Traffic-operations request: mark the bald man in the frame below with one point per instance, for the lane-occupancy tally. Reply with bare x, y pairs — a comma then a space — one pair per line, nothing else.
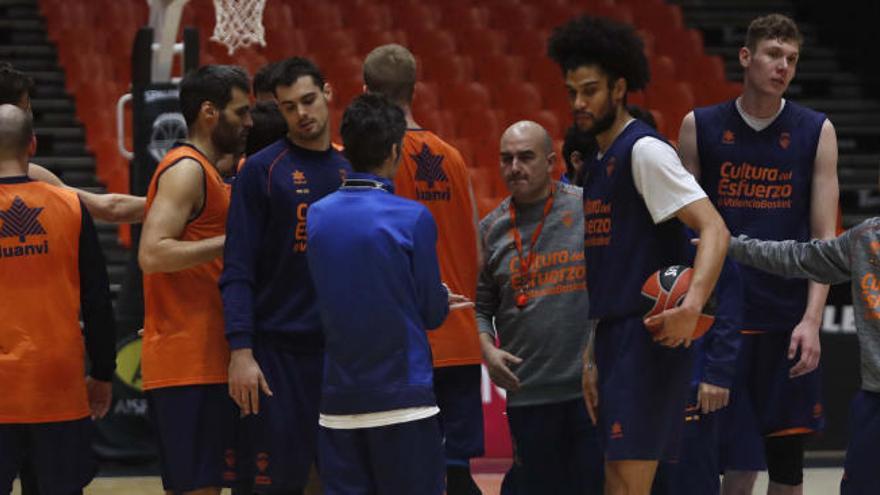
532, 298
48, 402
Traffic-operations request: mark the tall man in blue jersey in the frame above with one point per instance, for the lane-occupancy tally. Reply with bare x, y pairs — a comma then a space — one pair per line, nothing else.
637, 196
272, 322
770, 167
374, 262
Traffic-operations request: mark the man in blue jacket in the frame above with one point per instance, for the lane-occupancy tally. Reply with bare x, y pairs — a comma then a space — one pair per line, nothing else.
374, 264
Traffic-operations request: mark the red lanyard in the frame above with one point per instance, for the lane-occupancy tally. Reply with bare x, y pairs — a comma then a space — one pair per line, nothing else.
525, 264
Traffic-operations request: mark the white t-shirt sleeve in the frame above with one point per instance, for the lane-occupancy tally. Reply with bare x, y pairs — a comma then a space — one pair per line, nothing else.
661, 179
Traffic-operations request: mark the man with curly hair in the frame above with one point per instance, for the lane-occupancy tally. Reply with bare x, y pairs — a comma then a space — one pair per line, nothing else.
637, 199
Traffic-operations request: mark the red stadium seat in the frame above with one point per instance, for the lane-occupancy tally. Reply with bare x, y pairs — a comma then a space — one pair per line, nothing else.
513, 16
367, 40
553, 13
446, 69
414, 14
550, 122
674, 100
465, 95
518, 99
464, 16
498, 69
480, 42
318, 15
330, 44
430, 42
441, 122
478, 124
529, 44
425, 97
367, 15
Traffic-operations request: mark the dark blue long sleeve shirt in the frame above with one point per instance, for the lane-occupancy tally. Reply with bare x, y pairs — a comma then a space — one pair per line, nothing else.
373, 259
715, 354
266, 285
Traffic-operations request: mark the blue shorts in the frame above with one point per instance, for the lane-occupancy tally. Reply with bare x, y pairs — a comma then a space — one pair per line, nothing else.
60, 454
400, 459
195, 428
697, 470
556, 449
643, 389
457, 389
860, 473
766, 402
279, 445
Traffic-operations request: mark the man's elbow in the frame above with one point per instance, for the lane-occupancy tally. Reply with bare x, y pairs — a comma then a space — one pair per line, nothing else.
148, 261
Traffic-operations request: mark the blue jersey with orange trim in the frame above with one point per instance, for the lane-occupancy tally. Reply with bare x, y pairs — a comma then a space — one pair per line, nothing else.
266, 285
622, 245
761, 183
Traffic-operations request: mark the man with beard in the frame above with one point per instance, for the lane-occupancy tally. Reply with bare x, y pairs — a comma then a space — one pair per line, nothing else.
770, 166
637, 196
272, 322
185, 356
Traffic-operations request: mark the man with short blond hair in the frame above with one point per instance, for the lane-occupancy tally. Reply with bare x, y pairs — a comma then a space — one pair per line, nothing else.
434, 173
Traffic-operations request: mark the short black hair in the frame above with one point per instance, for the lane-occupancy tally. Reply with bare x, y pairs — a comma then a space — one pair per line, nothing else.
371, 125
14, 84
642, 114
264, 79
611, 45
288, 71
269, 126
582, 142
211, 83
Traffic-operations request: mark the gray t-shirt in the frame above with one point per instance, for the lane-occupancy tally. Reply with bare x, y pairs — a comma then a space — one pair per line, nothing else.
854, 256
551, 331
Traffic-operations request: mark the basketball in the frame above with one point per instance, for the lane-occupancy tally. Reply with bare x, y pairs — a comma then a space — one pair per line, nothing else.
666, 288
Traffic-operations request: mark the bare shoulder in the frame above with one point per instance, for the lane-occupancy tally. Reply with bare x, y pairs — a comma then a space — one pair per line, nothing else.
42, 174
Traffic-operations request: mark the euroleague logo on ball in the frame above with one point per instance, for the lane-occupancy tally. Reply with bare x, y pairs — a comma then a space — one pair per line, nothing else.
666, 289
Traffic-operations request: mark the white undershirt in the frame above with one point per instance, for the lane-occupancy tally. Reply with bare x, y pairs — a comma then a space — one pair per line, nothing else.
376, 419
754, 122
661, 179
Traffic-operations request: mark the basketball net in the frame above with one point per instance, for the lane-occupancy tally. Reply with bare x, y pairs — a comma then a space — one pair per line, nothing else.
239, 23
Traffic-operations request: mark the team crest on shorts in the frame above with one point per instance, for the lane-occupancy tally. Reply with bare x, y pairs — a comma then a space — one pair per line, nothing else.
616, 430
262, 465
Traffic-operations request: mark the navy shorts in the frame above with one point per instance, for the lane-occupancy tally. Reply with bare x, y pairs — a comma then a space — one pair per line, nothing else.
643, 389
766, 402
279, 445
457, 389
399, 459
860, 473
697, 470
59, 453
556, 450
195, 428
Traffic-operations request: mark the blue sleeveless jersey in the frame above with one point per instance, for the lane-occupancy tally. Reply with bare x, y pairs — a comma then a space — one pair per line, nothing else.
622, 245
761, 184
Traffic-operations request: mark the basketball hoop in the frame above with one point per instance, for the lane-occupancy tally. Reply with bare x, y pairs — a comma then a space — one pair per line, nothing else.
239, 23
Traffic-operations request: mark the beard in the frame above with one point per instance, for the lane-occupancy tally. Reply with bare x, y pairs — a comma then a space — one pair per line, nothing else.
601, 123
226, 139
